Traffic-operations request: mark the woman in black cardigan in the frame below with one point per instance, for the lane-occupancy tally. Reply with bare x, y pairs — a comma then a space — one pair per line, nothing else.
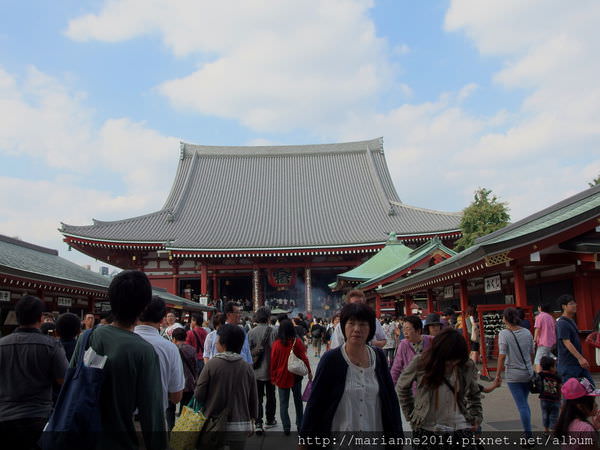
353, 389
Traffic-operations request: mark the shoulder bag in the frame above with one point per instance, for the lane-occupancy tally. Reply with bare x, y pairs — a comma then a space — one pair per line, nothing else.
535, 382
76, 422
295, 365
258, 352
213, 432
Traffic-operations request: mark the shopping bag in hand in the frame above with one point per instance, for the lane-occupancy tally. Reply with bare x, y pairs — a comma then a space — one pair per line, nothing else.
188, 425
307, 391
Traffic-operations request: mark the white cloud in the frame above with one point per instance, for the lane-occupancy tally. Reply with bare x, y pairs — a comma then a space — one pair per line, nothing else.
551, 143
47, 122
275, 65
401, 49
319, 66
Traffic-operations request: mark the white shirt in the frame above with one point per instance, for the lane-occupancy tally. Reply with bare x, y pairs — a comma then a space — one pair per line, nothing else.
337, 338
360, 406
171, 366
168, 333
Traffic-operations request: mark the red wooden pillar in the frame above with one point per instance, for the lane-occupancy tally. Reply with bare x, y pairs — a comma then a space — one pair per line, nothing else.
429, 301
585, 288
377, 305
174, 278
407, 304
203, 279
520, 290
464, 304
215, 286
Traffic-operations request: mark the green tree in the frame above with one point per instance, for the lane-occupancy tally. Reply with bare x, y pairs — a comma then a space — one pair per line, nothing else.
483, 216
595, 181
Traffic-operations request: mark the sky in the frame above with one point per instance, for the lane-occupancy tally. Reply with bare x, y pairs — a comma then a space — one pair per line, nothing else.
96, 95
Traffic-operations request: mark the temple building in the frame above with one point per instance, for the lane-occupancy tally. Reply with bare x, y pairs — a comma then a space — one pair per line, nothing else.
271, 224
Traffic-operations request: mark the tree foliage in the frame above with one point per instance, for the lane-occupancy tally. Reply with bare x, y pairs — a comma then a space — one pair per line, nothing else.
595, 181
483, 216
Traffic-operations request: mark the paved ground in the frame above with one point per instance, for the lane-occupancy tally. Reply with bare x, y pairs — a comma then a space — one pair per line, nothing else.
499, 410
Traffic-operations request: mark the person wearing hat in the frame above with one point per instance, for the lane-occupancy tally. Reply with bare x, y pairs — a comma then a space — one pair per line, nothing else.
432, 325
580, 417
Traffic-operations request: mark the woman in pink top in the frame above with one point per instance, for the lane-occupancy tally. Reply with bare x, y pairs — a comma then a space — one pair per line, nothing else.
579, 419
544, 335
412, 344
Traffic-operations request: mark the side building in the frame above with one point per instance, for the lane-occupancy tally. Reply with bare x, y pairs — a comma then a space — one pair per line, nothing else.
265, 224
28, 269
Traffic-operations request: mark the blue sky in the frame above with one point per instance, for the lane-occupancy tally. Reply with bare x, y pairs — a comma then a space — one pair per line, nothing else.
96, 94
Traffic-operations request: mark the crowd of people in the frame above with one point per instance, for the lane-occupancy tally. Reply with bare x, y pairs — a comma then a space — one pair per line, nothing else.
371, 373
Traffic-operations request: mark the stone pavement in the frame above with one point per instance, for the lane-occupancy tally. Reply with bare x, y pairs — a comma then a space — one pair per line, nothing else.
499, 410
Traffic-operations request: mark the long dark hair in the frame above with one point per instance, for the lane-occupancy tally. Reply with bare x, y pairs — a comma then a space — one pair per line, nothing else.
447, 346
579, 408
286, 331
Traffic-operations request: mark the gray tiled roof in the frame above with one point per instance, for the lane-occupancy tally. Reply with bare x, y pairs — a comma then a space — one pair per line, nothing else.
276, 197
23, 259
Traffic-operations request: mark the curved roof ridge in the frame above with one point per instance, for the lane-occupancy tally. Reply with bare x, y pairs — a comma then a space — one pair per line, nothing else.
100, 223
373, 145
186, 183
296, 199
432, 211
382, 194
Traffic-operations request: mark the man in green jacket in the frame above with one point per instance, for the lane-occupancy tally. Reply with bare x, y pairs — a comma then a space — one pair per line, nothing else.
132, 372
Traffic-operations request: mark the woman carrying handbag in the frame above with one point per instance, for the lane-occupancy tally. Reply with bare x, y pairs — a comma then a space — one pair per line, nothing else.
227, 390
515, 345
285, 348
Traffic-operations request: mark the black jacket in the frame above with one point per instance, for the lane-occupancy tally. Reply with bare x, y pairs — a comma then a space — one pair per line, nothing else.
328, 388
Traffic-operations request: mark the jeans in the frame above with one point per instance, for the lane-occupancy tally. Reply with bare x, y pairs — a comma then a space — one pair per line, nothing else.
550, 410
520, 392
267, 386
317, 342
284, 401
566, 372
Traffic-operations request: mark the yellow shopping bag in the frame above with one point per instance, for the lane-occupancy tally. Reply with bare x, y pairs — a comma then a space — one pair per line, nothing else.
186, 431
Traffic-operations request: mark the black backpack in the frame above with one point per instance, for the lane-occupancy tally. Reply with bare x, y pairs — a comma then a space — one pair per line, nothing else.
317, 331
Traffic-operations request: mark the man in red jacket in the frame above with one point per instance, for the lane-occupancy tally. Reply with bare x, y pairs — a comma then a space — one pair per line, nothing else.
196, 337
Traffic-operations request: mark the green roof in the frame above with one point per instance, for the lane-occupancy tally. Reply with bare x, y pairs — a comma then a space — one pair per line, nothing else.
382, 261
414, 256
545, 223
